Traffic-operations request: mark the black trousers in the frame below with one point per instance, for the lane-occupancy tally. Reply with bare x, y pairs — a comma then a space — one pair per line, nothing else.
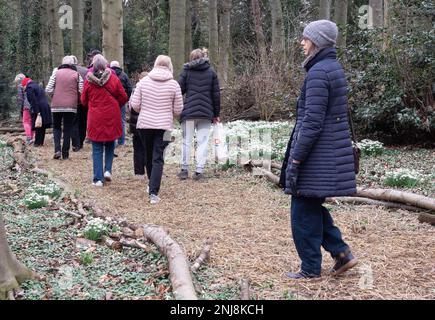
68, 120
39, 136
152, 141
79, 127
138, 153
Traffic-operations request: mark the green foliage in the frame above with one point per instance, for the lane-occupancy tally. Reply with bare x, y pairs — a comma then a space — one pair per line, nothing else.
86, 258
371, 148
391, 75
403, 178
95, 229
34, 200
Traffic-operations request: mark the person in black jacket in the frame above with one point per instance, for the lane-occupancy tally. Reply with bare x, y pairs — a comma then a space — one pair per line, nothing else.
200, 84
125, 81
319, 157
39, 106
138, 147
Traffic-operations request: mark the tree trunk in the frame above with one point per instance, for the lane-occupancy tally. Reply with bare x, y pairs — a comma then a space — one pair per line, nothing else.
261, 41
377, 13
96, 24
47, 64
188, 31
225, 50
340, 12
386, 24
325, 9
177, 34
113, 44
78, 7
12, 272
56, 33
213, 29
278, 37
179, 270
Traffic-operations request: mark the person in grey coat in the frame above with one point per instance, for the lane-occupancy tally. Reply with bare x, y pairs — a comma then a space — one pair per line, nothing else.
320, 160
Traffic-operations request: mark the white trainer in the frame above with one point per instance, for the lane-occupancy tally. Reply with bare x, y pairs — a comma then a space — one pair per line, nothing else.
107, 176
154, 199
98, 183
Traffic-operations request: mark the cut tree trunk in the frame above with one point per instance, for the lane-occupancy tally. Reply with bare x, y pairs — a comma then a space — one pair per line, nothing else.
180, 276
398, 196
12, 272
203, 256
360, 200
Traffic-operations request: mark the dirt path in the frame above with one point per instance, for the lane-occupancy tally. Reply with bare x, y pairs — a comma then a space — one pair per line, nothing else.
248, 223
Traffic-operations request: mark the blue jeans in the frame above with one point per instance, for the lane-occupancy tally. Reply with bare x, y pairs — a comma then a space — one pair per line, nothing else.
312, 228
121, 141
98, 149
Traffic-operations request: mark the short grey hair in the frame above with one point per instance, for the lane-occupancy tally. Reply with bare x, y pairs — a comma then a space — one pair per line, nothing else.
76, 61
99, 63
19, 77
68, 60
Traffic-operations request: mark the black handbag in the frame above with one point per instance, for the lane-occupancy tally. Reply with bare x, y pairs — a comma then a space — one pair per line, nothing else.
356, 150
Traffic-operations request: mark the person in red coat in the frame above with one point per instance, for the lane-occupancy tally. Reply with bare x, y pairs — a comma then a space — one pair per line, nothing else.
103, 95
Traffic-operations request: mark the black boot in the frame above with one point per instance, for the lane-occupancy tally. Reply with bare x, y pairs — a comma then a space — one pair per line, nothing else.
343, 262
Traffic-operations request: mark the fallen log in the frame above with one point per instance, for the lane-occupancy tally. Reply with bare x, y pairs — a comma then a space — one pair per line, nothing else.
180, 276
398, 196
388, 195
427, 218
112, 244
244, 289
203, 256
360, 200
10, 130
134, 244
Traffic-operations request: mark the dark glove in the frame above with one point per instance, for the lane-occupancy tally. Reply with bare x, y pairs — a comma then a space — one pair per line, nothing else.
292, 174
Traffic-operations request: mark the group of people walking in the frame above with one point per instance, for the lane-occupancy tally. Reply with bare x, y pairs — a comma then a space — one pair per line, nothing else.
319, 159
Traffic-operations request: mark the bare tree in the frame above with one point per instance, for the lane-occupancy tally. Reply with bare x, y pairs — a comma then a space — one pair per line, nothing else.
112, 17
261, 41
278, 37
96, 23
340, 12
213, 29
177, 34
78, 7
56, 36
188, 44
325, 9
225, 64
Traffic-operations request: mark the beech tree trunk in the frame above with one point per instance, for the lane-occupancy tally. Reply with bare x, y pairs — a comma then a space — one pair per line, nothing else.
325, 9
113, 44
261, 41
12, 272
225, 50
96, 23
56, 35
188, 31
340, 12
78, 7
213, 29
278, 41
377, 13
177, 34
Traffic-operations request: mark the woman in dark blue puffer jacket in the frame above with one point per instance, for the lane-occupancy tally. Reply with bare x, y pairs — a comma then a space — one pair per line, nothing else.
320, 162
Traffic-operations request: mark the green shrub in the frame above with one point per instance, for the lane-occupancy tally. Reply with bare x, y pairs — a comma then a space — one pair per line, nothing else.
95, 229
34, 200
86, 258
403, 178
370, 147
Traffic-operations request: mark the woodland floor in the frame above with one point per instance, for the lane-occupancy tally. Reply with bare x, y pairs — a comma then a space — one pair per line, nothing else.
247, 221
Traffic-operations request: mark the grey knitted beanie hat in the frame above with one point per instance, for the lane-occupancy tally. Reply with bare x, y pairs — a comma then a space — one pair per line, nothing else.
323, 33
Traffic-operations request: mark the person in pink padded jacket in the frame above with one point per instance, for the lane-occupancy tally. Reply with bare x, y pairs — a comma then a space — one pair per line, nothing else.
158, 100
